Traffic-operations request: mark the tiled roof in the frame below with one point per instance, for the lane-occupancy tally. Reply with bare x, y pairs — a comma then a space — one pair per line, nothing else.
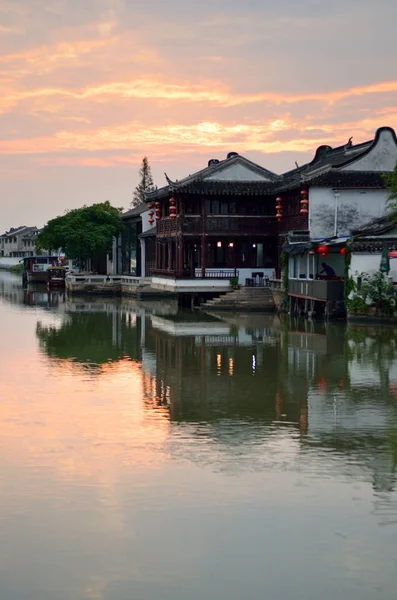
135, 212
375, 227
238, 188
324, 170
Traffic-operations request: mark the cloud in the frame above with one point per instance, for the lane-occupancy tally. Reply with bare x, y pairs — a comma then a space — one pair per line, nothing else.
94, 85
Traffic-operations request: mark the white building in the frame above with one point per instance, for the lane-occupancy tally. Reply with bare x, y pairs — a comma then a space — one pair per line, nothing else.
18, 242
341, 190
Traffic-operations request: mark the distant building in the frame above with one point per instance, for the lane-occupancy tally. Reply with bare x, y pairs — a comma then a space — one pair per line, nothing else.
134, 250
19, 242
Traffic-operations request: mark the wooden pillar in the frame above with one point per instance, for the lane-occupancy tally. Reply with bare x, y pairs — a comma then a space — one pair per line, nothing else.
169, 248
203, 254
203, 239
179, 257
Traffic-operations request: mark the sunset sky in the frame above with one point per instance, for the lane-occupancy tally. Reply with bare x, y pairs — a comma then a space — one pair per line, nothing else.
88, 87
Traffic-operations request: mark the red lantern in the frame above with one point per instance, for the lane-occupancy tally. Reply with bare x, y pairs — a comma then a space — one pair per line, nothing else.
158, 218
343, 251
157, 204
151, 221
151, 213
172, 201
150, 205
304, 203
279, 208
323, 250
173, 216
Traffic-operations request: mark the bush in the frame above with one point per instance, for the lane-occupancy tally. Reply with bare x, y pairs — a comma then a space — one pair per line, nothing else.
233, 282
376, 292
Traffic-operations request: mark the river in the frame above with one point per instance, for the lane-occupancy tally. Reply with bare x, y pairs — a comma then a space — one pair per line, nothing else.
152, 454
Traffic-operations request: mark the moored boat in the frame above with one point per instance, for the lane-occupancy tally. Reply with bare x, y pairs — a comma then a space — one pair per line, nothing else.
35, 268
56, 277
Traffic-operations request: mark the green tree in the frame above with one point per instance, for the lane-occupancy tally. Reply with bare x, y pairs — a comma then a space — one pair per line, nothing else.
391, 186
145, 185
82, 233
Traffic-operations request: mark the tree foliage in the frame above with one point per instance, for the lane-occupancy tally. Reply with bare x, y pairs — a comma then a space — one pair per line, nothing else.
83, 232
145, 184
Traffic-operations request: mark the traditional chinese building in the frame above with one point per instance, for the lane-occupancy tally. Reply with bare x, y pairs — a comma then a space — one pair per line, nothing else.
232, 218
340, 190
216, 224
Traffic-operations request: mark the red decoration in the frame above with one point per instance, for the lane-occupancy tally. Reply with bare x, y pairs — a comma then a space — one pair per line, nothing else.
172, 201
151, 213
158, 204
304, 202
150, 205
173, 216
343, 251
151, 221
158, 218
393, 254
323, 250
279, 209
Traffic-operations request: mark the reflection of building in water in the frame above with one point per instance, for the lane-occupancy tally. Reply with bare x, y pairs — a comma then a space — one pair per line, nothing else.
209, 370
349, 405
12, 291
99, 332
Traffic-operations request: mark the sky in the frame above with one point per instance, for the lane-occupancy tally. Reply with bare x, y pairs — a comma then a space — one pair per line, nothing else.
89, 87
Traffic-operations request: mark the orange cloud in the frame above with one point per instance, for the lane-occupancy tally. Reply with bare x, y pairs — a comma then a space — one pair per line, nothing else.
303, 136
215, 93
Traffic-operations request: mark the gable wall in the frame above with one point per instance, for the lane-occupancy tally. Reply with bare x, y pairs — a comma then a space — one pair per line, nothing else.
237, 172
382, 157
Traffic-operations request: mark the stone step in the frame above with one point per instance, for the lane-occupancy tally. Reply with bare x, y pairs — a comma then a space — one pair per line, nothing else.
243, 299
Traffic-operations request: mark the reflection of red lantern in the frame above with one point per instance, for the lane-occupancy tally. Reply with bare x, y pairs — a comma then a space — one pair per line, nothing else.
323, 250
343, 251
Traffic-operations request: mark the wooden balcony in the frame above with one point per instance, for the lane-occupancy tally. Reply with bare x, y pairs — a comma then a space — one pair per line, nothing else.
331, 290
233, 225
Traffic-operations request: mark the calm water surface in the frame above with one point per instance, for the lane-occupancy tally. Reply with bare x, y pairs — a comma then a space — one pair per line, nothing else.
148, 454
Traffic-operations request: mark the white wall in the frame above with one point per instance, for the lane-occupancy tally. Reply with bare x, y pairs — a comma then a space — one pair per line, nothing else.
8, 261
370, 263
355, 208
145, 221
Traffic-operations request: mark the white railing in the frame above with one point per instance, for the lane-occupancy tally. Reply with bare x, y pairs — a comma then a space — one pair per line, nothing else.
90, 278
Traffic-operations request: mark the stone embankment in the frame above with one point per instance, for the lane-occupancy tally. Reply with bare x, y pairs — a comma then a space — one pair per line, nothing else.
102, 285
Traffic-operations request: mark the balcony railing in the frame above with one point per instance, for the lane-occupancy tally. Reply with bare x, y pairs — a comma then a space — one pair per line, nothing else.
197, 225
196, 273
325, 290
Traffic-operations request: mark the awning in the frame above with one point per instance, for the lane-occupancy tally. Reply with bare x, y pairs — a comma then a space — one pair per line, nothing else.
149, 233
297, 248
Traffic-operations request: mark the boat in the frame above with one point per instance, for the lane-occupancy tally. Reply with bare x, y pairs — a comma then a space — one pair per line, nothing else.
35, 268
56, 278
